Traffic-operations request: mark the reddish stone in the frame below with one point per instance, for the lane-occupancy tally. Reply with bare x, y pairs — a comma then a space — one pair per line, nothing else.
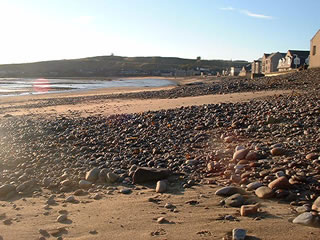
280, 183
264, 192
277, 151
316, 205
252, 156
243, 162
240, 154
247, 210
312, 156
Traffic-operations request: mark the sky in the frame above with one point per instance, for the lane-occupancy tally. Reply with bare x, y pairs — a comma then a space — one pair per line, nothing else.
40, 30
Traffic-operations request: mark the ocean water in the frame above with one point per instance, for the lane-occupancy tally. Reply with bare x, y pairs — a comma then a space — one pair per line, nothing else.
29, 86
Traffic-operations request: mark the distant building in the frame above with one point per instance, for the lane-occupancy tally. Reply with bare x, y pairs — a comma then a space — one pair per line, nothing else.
315, 51
183, 73
245, 71
263, 62
256, 66
234, 71
293, 59
272, 61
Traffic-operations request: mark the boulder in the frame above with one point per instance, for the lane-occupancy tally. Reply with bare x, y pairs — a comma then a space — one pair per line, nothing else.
146, 174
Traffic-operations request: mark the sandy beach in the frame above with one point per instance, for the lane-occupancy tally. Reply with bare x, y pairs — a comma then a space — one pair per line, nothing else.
50, 143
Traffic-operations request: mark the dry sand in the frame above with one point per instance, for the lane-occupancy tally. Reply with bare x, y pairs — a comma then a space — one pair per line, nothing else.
132, 216
119, 106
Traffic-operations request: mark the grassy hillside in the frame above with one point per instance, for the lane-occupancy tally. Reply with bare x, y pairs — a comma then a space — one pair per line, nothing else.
104, 66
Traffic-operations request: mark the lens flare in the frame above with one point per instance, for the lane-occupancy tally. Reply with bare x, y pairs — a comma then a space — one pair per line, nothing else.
41, 85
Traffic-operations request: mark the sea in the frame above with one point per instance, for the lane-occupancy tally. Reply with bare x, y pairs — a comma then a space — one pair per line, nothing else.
31, 86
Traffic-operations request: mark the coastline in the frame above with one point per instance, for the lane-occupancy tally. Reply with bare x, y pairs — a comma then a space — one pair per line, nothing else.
51, 143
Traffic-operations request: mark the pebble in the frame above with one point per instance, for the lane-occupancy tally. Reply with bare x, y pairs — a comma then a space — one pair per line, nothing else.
125, 191
85, 184
277, 151
247, 210
235, 200
112, 177
264, 192
92, 175
6, 188
70, 199
148, 174
161, 220
306, 219
62, 218
228, 191
240, 154
239, 234
97, 196
280, 183
254, 186
316, 205
161, 187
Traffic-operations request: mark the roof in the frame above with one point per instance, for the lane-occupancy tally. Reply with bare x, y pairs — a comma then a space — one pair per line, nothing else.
266, 55
247, 67
282, 54
315, 35
300, 53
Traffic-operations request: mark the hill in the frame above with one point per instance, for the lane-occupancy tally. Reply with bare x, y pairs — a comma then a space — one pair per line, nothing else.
104, 66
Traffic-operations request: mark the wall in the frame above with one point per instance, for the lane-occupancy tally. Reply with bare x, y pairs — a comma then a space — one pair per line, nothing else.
315, 59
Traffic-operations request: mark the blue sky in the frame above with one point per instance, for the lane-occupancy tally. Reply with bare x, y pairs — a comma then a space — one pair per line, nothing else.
37, 30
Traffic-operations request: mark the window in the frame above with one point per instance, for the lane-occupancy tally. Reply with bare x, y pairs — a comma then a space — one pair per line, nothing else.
314, 50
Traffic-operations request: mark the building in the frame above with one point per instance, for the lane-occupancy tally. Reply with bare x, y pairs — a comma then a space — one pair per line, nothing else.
293, 59
263, 62
234, 71
315, 51
245, 71
256, 66
271, 62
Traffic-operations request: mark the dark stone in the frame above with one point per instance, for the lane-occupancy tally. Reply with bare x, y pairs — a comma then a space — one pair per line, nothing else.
5, 189
146, 174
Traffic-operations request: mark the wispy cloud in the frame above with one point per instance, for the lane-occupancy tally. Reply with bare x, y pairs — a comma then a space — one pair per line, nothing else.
255, 15
227, 9
246, 12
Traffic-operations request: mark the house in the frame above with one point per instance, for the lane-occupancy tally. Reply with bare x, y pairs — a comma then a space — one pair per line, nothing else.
234, 71
245, 71
263, 62
293, 59
315, 51
256, 66
271, 62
